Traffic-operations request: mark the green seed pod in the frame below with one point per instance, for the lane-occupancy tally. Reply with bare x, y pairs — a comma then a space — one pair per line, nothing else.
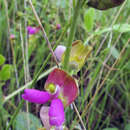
104, 4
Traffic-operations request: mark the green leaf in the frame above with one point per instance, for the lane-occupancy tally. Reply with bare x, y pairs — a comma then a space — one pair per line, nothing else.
25, 120
5, 72
89, 19
127, 127
2, 60
114, 52
122, 28
110, 129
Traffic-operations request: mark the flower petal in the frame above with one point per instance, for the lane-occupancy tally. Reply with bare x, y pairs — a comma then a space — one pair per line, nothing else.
32, 30
68, 86
12, 37
36, 96
56, 113
45, 117
59, 51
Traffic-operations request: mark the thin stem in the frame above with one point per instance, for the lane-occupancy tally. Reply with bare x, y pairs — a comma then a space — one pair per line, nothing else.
28, 78
15, 67
71, 35
76, 110
26, 45
43, 31
8, 31
23, 52
69, 46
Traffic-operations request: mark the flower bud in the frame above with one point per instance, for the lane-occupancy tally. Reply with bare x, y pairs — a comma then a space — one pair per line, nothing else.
12, 37
58, 27
32, 30
59, 51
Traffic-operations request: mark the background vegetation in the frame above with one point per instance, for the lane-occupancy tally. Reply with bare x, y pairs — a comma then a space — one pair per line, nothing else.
104, 81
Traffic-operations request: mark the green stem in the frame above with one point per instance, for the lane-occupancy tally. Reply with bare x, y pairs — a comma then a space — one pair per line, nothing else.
71, 35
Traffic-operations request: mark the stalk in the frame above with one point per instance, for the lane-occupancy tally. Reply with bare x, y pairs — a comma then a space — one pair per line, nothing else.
71, 35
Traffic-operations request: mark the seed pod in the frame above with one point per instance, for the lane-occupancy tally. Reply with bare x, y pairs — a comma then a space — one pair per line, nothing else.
104, 4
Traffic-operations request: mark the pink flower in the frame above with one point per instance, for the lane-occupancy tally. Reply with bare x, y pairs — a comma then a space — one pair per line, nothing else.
61, 90
59, 51
12, 36
56, 110
58, 26
32, 30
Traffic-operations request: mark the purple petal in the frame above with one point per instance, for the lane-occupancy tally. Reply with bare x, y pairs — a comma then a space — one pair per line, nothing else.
36, 96
58, 26
32, 30
56, 113
59, 51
